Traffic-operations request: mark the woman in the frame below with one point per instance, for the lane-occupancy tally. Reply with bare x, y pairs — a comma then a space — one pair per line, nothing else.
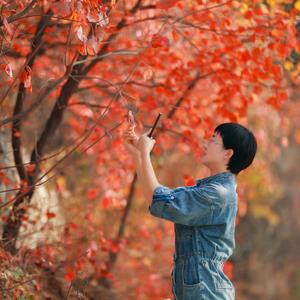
203, 214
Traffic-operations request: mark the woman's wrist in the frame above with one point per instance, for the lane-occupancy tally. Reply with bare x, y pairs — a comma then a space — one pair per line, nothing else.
137, 159
145, 153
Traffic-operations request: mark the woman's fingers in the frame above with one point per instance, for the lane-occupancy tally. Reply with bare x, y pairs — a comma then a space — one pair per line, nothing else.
132, 149
129, 139
131, 135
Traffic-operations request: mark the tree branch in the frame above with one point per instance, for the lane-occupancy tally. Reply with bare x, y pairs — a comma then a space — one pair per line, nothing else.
18, 109
22, 13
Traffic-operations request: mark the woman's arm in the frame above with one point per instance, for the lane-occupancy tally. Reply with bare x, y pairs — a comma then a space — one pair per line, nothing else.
146, 174
140, 148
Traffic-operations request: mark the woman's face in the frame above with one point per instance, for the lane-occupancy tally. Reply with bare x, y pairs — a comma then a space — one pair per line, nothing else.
213, 149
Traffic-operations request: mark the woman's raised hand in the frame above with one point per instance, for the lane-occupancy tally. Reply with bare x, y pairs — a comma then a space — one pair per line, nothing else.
131, 141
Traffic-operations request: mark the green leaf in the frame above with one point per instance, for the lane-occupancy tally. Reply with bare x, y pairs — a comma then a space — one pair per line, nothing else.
17, 273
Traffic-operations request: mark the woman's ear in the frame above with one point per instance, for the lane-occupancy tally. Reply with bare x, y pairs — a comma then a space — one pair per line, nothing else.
229, 153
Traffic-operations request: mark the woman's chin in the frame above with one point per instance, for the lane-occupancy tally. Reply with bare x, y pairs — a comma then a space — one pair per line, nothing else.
205, 160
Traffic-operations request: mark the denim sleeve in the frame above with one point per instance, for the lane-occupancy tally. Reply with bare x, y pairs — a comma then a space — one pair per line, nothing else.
188, 205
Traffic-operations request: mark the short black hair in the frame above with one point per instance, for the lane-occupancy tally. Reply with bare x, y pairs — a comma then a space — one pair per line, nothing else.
243, 143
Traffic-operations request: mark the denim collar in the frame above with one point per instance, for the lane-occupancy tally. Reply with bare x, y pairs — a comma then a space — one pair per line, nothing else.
226, 174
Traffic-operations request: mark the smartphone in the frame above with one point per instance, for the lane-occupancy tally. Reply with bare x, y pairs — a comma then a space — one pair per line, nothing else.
155, 124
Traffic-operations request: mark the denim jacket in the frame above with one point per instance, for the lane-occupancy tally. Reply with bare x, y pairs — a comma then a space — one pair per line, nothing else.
204, 225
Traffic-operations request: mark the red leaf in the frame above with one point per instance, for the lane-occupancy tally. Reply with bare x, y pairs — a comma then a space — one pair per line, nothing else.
166, 4
24, 218
256, 53
88, 216
5, 180
228, 269
188, 180
157, 246
149, 103
73, 225
248, 14
92, 194
30, 168
17, 133
62, 9
25, 77
70, 276
105, 202
50, 215
37, 285
144, 233
114, 247
82, 49
175, 35
159, 40
282, 50
274, 101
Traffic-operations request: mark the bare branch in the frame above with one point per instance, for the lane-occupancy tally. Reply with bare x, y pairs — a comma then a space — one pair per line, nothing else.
30, 109
100, 57
22, 13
